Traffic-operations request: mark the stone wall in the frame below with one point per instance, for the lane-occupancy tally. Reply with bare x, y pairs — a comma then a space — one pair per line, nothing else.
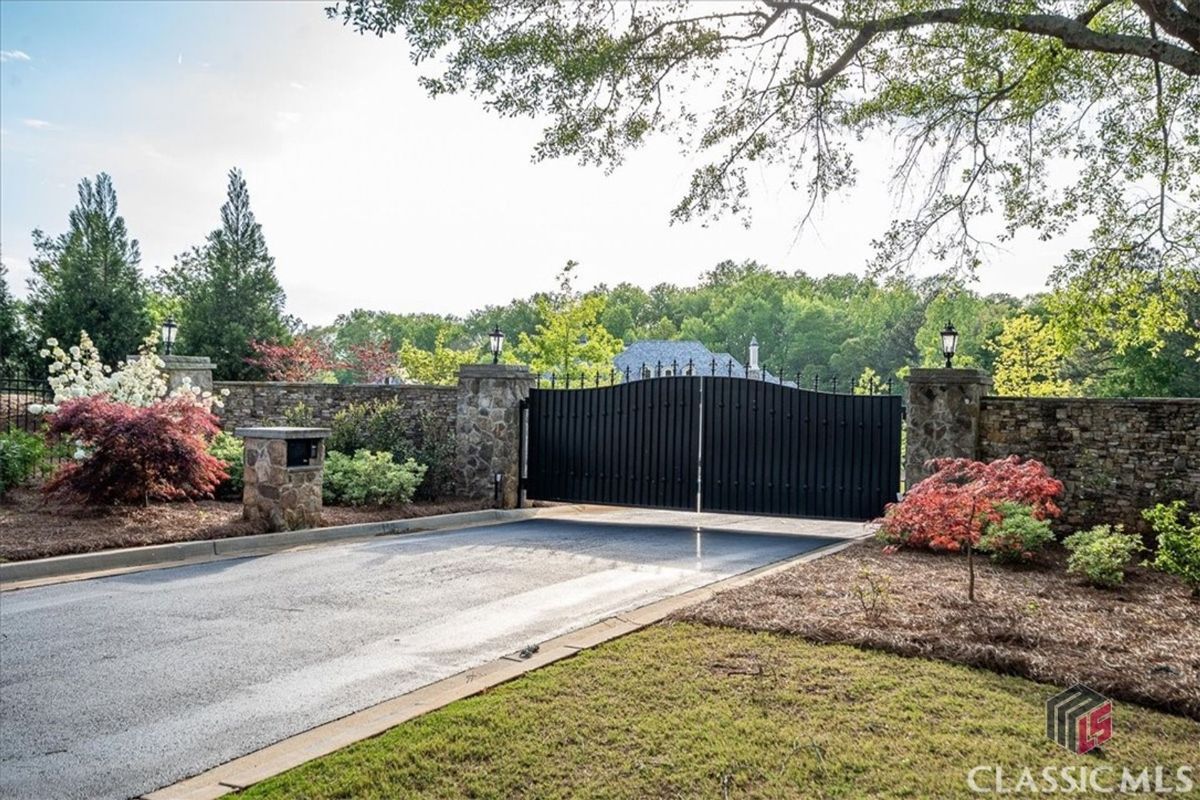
254, 403
1114, 456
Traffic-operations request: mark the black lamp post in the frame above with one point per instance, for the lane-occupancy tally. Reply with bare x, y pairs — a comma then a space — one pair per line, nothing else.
497, 342
949, 343
168, 334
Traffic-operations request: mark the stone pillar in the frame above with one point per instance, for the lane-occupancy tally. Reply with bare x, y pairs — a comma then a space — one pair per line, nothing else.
488, 428
943, 417
282, 477
199, 369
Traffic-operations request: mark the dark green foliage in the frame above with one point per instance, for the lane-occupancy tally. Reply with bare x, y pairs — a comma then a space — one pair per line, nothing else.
87, 279
15, 347
1178, 544
433, 445
227, 291
22, 455
231, 450
1017, 536
368, 478
386, 426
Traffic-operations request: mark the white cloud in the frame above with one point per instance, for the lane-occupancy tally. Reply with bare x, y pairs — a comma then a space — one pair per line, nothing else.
297, 85
39, 124
179, 59
14, 55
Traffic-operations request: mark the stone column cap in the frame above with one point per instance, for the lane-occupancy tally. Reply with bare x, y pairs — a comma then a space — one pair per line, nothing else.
496, 371
196, 362
181, 362
283, 432
943, 375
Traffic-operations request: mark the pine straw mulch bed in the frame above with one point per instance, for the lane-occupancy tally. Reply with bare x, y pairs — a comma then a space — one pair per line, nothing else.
31, 527
1139, 643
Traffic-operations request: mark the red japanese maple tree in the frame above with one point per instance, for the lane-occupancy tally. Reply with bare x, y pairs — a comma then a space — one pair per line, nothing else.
135, 454
371, 362
303, 359
949, 510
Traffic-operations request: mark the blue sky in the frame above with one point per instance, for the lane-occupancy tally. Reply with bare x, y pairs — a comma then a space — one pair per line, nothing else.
370, 194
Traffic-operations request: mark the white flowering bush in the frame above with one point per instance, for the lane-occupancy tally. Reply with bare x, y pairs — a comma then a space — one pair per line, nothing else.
78, 372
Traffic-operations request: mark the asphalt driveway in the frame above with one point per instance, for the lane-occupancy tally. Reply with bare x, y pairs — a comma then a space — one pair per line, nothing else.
118, 686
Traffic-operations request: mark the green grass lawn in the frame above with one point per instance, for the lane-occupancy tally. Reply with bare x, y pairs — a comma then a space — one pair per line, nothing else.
689, 710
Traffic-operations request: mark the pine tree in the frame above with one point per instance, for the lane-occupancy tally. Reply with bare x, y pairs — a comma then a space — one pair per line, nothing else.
87, 279
227, 290
13, 345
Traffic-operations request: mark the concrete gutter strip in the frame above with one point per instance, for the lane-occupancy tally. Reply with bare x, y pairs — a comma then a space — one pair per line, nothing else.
332, 736
81, 566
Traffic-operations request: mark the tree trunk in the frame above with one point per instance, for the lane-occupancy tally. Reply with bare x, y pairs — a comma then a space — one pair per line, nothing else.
970, 572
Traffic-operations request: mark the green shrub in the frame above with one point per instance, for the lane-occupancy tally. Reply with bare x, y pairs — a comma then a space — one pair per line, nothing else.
1018, 536
369, 478
386, 426
1178, 550
22, 455
378, 425
229, 449
299, 416
1102, 553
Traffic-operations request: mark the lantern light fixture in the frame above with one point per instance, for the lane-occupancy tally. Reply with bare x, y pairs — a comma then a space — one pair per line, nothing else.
497, 343
169, 330
949, 344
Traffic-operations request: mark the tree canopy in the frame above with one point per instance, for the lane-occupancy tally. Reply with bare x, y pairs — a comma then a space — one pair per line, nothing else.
87, 279
226, 290
568, 336
1034, 116
14, 346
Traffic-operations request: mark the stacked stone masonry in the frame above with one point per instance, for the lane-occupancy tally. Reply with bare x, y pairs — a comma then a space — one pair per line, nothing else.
1115, 457
276, 496
268, 403
488, 429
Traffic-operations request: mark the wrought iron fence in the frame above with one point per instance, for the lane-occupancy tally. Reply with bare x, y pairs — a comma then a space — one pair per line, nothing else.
18, 391
832, 384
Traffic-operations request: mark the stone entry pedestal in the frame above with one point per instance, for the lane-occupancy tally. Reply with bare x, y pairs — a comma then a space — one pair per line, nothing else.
283, 476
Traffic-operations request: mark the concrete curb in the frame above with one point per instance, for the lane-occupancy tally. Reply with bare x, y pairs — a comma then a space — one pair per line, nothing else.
324, 739
82, 566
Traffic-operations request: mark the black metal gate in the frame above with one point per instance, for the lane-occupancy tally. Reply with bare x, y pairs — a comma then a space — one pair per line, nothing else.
714, 444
